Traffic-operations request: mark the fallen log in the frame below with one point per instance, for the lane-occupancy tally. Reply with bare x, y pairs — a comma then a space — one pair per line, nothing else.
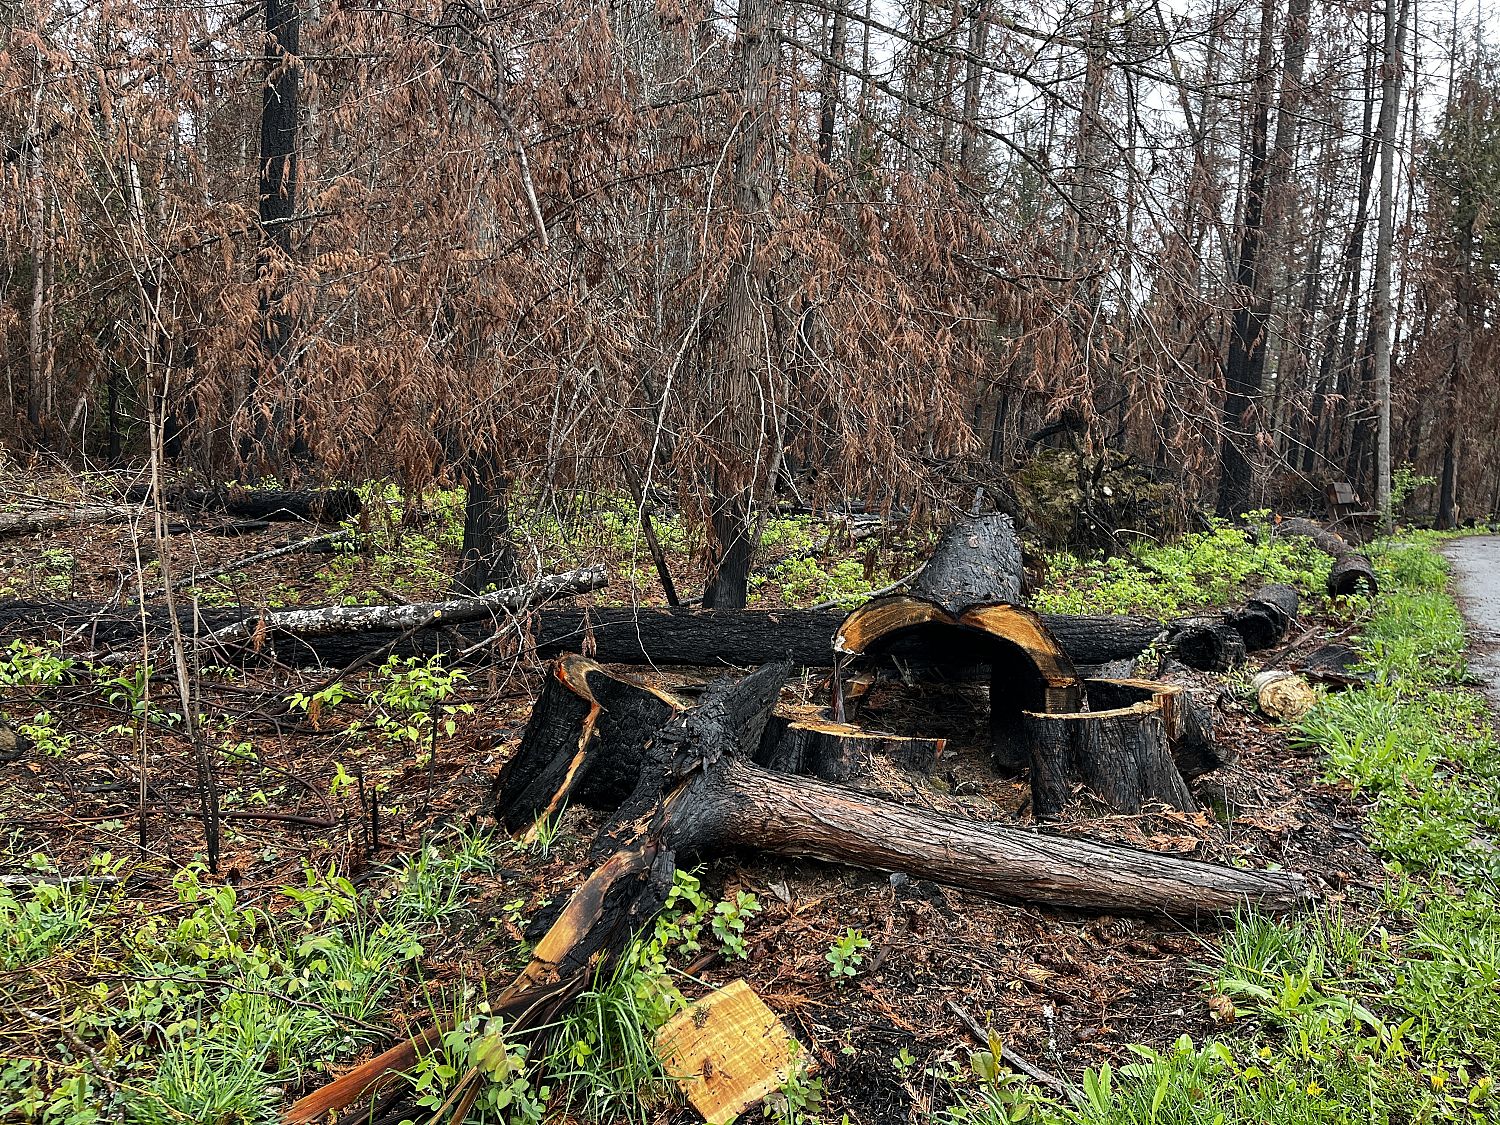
36, 521
360, 618
316, 505
1351, 568
1264, 620
744, 638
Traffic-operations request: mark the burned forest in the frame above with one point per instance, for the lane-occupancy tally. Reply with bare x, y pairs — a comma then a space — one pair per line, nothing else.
642, 563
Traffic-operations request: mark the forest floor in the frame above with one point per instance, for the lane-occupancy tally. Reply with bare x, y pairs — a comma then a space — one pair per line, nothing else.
359, 891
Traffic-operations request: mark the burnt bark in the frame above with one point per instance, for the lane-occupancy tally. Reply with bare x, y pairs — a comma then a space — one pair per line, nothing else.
977, 560
487, 557
1121, 756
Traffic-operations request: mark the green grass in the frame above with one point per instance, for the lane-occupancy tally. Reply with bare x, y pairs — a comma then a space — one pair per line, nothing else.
1384, 1014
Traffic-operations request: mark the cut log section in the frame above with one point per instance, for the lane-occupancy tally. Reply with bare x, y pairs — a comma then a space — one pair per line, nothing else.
1189, 724
1351, 570
1207, 644
1264, 620
1352, 574
833, 751
1123, 750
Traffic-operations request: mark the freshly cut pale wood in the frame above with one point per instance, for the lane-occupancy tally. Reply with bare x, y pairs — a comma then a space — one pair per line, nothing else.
359, 618
727, 1052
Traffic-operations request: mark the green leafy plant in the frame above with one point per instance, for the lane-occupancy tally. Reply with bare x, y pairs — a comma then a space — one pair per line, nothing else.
846, 955
729, 920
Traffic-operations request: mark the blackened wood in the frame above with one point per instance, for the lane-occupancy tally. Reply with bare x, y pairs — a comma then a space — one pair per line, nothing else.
1189, 723
1263, 621
487, 557
978, 559
326, 505
742, 806
1206, 644
1122, 756
839, 751
1352, 574
586, 735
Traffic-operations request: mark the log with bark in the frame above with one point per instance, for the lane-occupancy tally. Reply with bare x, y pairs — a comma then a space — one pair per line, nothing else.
359, 618
1134, 745
317, 505
1351, 569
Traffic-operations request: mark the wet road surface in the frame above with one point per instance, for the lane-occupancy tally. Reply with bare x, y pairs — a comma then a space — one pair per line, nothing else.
1476, 581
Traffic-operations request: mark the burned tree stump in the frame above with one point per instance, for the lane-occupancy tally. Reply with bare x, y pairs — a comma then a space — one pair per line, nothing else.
1121, 756
585, 719
834, 751
1189, 724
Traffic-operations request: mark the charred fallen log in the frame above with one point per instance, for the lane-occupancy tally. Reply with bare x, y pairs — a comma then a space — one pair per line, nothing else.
1351, 570
318, 505
1264, 620
743, 638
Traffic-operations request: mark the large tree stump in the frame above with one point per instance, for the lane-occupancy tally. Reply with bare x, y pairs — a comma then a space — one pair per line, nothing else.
1125, 750
1121, 756
822, 748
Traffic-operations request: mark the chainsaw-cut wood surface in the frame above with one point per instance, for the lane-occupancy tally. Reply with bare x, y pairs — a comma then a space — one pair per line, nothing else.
727, 1052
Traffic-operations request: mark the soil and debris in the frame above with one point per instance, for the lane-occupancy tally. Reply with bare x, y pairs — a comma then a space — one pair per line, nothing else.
1063, 991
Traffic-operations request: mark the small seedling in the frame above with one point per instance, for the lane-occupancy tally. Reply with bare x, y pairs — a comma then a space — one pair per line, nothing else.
846, 955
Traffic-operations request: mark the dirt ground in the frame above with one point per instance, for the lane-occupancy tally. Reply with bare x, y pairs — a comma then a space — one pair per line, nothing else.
1064, 991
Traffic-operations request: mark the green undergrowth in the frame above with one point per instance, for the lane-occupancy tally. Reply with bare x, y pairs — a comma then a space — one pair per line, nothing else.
409, 545
1167, 579
206, 1008
1385, 1012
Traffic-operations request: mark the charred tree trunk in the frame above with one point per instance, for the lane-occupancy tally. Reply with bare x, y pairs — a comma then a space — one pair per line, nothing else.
1351, 570
277, 190
977, 560
488, 556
